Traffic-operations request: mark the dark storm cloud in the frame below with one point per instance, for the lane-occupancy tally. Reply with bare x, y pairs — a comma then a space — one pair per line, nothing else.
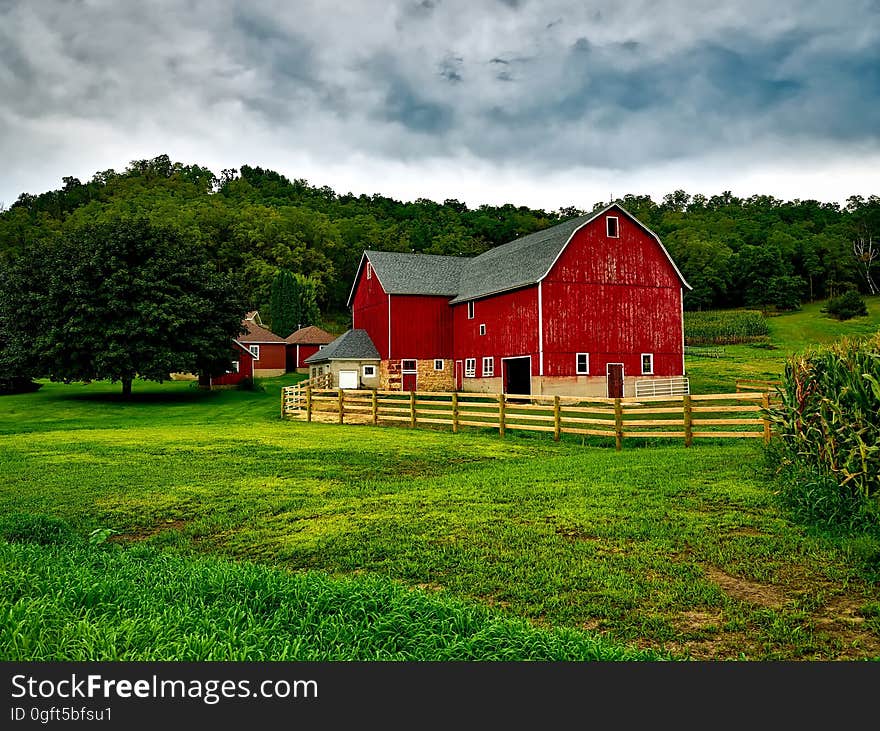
550, 85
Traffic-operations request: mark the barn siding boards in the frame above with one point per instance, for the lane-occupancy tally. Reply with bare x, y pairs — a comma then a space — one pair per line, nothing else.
370, 310
511, 320
421, 327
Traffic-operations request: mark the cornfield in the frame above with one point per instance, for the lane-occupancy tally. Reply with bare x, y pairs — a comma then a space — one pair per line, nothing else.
829, 419
724, 327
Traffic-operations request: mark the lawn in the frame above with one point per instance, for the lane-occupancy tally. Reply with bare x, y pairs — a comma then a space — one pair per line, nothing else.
788, 333
423, 544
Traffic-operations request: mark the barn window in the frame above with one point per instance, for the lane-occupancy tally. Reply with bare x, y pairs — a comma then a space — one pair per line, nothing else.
470, 310
488, 366
647, 364
234, 368
611, 227
255, 351
369, 371
409, 366
320, 347
582, 364
482, 329
369, 270
438, 364
470, 367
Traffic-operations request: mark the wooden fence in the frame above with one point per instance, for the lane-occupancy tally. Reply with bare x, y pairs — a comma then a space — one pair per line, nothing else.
756, 384
727, 415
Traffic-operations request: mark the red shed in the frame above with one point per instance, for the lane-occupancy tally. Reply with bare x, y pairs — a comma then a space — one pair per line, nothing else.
241, 366
588, 307
268, 349
303, 343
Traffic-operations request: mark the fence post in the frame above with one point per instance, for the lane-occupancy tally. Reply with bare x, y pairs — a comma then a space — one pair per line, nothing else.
688, 422
283, 393
341, 406
412, 409
308, 403
557, 419
501, 417
765, 403
618, 425
455, 413
375, 407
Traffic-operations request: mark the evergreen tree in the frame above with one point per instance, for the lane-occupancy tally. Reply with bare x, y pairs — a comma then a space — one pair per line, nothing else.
282, 305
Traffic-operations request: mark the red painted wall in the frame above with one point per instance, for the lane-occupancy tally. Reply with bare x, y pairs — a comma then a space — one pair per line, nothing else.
304, 352
421, 327
511, 320
272, 355
369, 310
244, 369
614, 299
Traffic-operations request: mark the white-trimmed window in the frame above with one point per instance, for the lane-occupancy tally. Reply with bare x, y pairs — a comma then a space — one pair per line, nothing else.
321, 347
438, 364
647, 364
255, 351
470, 367
234, 368
482, 328
488, 366
470, 307
612, 227
369, 270
582, 364
408, 366
369, 371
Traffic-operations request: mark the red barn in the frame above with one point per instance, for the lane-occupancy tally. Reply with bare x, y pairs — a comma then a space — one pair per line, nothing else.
241, 366
587, 307
303, 343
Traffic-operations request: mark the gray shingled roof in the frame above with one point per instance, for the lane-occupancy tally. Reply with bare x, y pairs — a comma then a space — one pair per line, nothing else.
417, 273
351, 345
521, 262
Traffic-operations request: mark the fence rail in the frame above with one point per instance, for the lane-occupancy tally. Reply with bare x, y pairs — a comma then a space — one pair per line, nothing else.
688, 417
755, 384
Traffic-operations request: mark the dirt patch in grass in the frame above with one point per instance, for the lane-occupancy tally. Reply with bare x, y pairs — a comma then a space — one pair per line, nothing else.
144, 533
744, 590
695, 621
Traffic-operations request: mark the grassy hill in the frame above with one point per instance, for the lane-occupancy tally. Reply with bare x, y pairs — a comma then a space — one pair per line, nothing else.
788, 333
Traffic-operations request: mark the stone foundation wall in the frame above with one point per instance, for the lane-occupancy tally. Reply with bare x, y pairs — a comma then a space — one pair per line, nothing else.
427, 379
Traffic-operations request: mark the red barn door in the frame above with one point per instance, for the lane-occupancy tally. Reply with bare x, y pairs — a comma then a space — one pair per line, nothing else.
615, 380
458, 375
410, 375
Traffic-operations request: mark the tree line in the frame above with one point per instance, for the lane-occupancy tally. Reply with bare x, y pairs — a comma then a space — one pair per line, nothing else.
252, 222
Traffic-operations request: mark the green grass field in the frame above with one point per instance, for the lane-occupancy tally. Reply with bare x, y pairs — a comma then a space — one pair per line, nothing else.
788, 333
240, 536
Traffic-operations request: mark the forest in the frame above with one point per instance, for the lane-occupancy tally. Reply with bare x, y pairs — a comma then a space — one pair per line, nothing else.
757, 252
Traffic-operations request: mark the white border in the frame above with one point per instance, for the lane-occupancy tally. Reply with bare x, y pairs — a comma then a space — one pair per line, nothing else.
576, 371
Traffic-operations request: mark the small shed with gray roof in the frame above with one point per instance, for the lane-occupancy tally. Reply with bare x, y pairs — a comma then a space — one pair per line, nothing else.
351, 359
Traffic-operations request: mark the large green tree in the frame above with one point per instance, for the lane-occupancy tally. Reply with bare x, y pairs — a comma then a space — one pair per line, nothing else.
116, 301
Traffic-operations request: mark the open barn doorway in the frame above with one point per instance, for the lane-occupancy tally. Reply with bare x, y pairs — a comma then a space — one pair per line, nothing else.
517, 375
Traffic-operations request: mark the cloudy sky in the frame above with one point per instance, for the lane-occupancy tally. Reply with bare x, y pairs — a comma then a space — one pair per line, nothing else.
535, 102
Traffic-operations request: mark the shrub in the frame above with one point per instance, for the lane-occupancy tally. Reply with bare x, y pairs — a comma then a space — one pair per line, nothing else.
850, 304
29, 528
829, 424
250, 384
18, 385
724, 327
